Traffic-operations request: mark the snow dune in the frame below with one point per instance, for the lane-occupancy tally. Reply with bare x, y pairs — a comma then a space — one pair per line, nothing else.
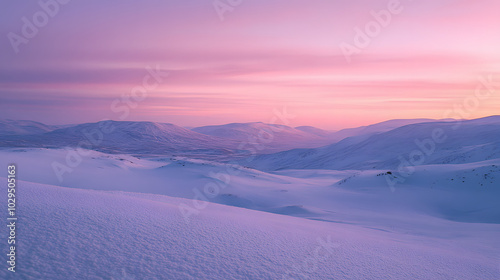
74, 234
119, 211
459, 192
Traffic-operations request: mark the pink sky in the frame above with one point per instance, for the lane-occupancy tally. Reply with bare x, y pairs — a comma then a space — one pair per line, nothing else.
265, 55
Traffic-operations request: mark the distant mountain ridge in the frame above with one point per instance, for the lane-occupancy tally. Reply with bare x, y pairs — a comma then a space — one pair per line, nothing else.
323, 149
23, 127
272, 137
125, 137
466, 141
277, 138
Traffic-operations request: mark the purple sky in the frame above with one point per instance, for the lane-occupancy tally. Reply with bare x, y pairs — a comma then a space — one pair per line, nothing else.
264, 56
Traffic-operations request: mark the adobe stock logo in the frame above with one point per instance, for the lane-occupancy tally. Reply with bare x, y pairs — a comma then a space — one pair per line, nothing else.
30, 28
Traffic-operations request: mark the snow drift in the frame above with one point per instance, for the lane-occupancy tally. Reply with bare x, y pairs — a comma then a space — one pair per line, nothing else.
74, 234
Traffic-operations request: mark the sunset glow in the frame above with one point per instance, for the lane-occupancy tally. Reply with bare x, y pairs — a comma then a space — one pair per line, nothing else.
262, 57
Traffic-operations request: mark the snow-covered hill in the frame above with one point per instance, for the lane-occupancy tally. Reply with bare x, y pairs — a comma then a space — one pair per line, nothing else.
275, 138
315, 131
428, 143
459, 192
266, 138
380, 127
144, 215
73, 234
21, 127
228, 141
128, 137
134, 210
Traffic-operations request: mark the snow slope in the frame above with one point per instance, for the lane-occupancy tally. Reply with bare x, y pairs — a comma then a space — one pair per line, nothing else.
21, 127
460, 192
228, 141
315, 131
74, 234
128, 137
120, 216
271, 137
276, 138
471, 141
380, 127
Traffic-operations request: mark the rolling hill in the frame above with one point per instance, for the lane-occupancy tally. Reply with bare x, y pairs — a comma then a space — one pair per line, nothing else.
464, 141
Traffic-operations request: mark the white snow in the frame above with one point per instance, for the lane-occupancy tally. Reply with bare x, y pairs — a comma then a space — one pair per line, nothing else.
20, 127
124, 215
464, 142
82, 234
271, 137
128, 137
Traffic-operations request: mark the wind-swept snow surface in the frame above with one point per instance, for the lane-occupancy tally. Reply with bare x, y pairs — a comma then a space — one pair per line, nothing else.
459, 192
83, 234
349, 210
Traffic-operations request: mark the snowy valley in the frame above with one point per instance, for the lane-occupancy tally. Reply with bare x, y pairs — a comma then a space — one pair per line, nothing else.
142, 200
